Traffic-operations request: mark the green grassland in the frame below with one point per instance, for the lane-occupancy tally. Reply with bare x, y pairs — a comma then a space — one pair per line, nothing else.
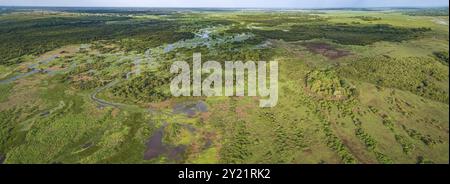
354, 87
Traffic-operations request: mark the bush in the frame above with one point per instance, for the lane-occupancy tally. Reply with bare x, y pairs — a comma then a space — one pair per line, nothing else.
326, 84
406, 145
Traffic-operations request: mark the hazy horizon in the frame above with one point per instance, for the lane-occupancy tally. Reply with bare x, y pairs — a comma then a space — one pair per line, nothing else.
229, 3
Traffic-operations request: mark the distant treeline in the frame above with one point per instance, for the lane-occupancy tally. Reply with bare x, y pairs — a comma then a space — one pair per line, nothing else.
340, 33
427, 12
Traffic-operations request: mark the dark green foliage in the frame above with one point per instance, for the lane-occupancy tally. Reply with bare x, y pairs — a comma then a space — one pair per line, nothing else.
388, 123
426, 139
14, 61
422, 160
150, 86
367, 18
342, 33
144, 42
279, 18
228, 52
366, 138
383, 158
442, 56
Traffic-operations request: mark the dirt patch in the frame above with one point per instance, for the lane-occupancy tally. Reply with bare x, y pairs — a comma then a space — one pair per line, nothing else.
82, 78
209, 139
326, 50
60, 52
204, 116
161, 105
115, 112
242, 110
54, 68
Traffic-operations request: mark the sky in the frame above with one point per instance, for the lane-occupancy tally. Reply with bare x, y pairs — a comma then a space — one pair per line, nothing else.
229, 3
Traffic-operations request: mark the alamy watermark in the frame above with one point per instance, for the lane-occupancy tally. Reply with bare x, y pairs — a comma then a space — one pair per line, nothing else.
228, 80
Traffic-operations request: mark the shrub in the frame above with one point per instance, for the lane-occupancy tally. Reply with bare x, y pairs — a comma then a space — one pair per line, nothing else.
326, 84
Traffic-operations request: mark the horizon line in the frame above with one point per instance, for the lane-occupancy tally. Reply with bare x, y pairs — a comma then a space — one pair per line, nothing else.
343, 7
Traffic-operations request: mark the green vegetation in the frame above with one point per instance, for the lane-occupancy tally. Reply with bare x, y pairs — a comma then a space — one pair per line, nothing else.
442, 56
326, 84
406, 145
422, 76
92, 86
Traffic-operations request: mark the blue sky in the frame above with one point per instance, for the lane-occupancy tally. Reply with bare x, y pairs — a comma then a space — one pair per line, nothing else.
229, 3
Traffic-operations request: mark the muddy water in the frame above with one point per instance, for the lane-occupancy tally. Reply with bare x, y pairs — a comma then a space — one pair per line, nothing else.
156, 147
190, 108
176, 153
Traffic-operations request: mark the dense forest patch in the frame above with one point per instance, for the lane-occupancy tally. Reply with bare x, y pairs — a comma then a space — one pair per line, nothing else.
341, 33
150, 86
